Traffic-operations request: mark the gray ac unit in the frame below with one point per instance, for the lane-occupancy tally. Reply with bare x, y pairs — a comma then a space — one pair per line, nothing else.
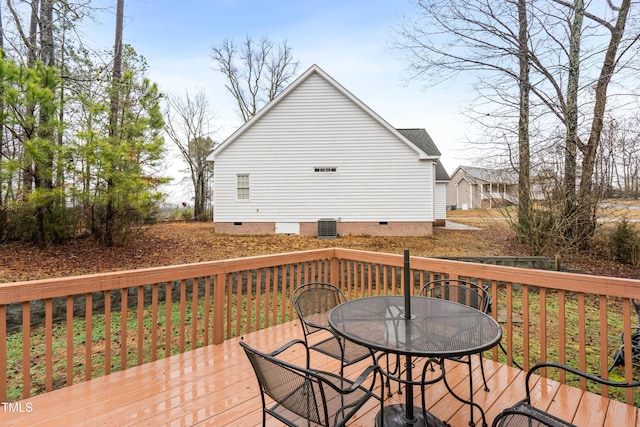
327, 229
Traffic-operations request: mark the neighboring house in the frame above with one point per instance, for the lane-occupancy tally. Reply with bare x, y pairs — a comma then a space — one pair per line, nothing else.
317, 159
477, 188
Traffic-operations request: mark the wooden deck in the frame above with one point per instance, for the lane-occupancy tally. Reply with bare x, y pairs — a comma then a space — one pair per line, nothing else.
214, 385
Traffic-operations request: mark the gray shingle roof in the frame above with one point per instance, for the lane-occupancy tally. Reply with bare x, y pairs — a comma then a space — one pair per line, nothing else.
505, 176
441, 172
421, 138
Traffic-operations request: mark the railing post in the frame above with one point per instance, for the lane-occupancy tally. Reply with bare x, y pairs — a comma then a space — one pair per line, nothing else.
218, 308
334, 277
4, 379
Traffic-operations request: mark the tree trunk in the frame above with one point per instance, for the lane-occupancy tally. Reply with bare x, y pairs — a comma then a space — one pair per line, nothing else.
588, 200
113, 119
524, 155
3, 213
571, 121
43, 168
27, 175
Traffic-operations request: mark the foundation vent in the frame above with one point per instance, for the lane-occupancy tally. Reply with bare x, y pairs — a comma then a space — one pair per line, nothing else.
327, 229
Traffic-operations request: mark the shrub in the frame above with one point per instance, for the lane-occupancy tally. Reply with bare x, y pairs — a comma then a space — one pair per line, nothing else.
624, 242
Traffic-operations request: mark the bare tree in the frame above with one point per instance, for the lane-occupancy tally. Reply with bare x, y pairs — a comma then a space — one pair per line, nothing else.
490, 39
255, 71
188, 125
570, 67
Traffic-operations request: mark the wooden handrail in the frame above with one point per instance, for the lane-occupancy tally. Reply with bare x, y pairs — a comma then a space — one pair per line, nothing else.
177, 308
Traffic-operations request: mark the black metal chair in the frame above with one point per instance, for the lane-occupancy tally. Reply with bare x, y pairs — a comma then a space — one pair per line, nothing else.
474, 296
319, 398
618, 357
312, 302
524, 413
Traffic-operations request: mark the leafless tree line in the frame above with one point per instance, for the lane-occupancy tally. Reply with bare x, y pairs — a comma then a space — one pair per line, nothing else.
547, 74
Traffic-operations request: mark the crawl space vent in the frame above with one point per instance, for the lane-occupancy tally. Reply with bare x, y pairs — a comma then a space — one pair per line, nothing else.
327, 229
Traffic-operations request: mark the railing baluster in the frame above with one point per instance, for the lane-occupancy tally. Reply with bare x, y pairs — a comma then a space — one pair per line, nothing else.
267, 294
218, 308
562, 331
543, 325
195, 291
509, 322
124, 309
183, 313
582, 337
48, 334
526, 343
628, 368
228, 299
168, 298
207, 308
26, 349
494, 311
274, 296
107, 332
250, 282
238, 310
284, 283
3, 353
154, 321
363, 282
140, 343
69, 370
88, 341
258, 298
604, 342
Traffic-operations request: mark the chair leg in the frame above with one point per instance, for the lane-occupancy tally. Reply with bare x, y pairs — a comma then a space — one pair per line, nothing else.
484, 378
471, 422
395, 371
472, 404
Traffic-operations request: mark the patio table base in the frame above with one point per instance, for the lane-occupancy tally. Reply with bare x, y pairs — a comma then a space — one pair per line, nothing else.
395, 415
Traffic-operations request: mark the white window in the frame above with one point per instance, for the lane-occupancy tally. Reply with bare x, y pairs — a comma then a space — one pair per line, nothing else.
242, 186
325, 169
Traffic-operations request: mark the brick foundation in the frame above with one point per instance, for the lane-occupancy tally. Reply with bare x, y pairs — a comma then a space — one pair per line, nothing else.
343, 228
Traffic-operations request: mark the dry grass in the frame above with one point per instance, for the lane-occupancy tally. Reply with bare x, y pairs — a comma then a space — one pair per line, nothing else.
183, 243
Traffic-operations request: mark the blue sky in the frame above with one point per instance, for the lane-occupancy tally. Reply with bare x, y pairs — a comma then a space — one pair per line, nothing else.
349, 39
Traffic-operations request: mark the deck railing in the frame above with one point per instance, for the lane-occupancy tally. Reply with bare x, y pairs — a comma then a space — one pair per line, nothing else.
60, 331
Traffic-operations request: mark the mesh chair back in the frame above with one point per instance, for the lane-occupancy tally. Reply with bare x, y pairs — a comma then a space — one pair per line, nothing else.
288, 386
320, 397
459, 291
313, 301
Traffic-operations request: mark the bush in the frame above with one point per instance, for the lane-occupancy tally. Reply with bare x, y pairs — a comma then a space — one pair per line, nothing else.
537, 234
187, 214
624, 242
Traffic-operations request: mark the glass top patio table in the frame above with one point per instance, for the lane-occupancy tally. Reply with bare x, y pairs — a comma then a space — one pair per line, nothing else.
435, 328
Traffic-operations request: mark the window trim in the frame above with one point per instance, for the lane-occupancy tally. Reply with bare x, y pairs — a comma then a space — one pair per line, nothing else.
240, 188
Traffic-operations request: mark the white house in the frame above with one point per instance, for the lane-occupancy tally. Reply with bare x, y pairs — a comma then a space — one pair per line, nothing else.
476, 188
317, 159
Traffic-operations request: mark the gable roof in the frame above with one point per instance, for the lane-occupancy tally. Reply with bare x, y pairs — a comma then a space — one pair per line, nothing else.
502, 176
431, 153
441, 172
421, 138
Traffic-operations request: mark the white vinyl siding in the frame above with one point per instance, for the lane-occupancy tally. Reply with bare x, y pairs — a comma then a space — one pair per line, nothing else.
440, 199
377, 176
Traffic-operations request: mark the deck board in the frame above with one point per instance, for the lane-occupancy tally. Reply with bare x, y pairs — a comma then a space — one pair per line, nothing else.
215, 386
